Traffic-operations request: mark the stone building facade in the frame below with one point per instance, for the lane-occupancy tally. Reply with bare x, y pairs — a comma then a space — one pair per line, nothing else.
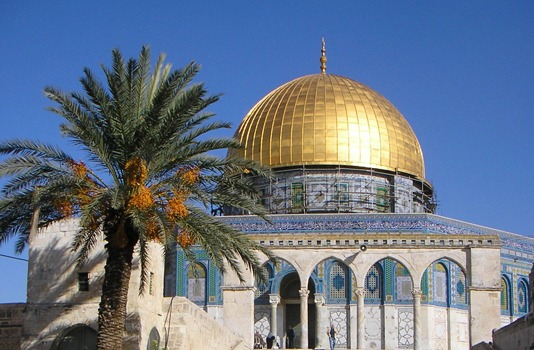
390, 281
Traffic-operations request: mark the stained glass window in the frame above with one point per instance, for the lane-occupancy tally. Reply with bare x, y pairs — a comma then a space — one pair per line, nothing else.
403, 283
505, 295
297, 195
338, 281
382, 200
373, 282
341, 196
196, 283
440, 283
522, 297
461, 287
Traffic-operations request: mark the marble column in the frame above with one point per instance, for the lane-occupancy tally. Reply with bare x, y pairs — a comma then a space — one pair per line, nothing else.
304, 292
274, 299
417, 319
360, 292
322, 342
352, 332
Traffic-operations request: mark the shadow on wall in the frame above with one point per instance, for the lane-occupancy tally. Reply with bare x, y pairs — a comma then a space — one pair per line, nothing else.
57, 297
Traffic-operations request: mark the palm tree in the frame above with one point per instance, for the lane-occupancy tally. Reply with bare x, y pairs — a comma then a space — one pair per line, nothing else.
146, 177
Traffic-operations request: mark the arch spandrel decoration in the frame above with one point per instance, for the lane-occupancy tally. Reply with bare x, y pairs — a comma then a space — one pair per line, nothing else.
281, 269
444, 283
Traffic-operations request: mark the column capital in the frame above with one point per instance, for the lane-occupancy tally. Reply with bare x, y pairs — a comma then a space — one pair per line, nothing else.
360, 292
319, 299
304, 292
274, 299
417, 293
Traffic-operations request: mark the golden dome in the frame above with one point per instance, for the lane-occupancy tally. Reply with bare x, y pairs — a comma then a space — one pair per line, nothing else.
325, 119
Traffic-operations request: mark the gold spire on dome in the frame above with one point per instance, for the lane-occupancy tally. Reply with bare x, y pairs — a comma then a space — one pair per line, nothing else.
323, 58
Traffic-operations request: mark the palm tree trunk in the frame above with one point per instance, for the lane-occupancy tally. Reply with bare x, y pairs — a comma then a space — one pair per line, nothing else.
112, 310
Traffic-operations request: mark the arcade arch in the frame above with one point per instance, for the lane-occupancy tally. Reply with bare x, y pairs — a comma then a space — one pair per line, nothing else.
389, 292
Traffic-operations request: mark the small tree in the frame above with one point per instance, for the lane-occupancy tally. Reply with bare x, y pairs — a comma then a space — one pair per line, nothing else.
147, 176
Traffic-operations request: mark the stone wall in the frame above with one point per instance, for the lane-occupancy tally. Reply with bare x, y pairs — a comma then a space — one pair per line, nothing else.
55, 301
11, 325
188, 327
518, 335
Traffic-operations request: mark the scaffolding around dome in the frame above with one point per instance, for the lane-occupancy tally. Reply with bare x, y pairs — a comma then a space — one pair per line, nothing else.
343, 189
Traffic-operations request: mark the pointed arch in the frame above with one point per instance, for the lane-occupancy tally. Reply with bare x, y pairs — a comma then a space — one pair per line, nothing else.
197, 285
522, 296
440, 285
281, 269
402, 282
338, 280
444, 283
506, 304
374, 284
263, 287
153, 339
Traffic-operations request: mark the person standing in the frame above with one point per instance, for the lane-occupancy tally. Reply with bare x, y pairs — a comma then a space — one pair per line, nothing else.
331, 333
290, 338
270, 340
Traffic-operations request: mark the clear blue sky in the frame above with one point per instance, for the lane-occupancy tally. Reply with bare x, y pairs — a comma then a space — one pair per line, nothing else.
462, 73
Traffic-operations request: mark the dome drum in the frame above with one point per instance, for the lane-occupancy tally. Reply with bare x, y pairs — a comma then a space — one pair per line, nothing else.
320, 189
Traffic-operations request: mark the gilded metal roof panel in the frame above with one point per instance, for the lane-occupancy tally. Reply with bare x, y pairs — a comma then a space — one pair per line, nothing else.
326, 119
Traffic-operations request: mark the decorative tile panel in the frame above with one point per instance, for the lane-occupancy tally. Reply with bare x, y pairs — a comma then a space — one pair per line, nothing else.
373, 327
440, 283
262, 317
338, 318
440, 329
405, 328
375, 223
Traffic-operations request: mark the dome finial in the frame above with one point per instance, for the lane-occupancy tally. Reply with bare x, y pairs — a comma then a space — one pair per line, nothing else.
323, 58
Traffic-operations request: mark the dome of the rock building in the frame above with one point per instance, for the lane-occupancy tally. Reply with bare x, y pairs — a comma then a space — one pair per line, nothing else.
334, 145
325, 119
